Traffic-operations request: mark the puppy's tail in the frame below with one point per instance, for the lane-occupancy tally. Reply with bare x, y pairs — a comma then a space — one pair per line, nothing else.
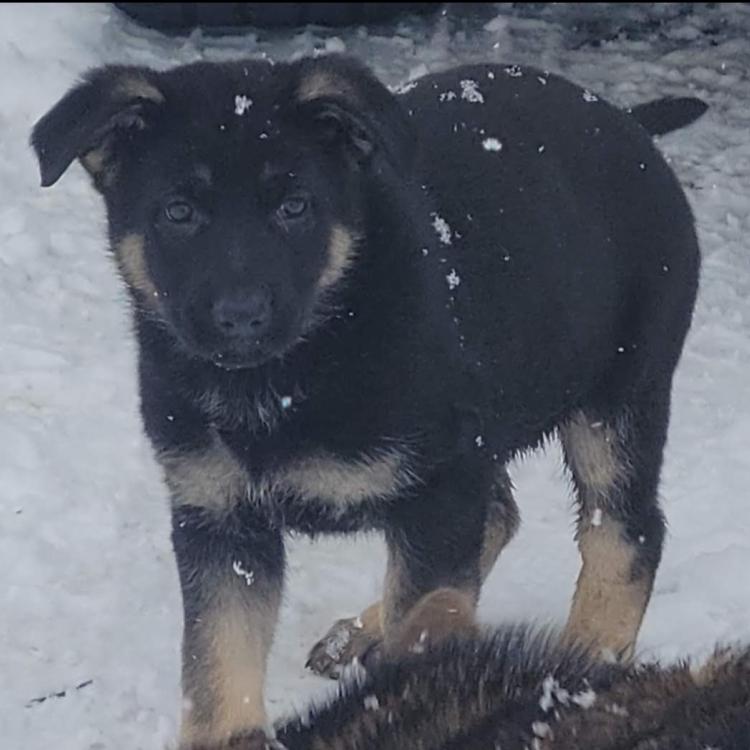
665, 115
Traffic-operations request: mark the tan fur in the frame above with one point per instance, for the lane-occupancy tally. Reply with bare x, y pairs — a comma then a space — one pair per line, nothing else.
400, 600
97, 161
96, 164
133, 86
212, 478
609, 602
592, 451
370, 619
341, 256
131, 260
323, 84
381, 475
439, 615
224, 687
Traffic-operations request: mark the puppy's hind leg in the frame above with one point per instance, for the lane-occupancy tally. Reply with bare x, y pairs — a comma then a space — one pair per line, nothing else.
615, 463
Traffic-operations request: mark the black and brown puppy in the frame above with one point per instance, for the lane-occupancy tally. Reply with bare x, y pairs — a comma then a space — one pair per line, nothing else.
355, 307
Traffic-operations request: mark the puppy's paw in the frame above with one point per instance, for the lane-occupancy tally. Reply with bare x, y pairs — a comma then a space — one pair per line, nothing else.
347, 640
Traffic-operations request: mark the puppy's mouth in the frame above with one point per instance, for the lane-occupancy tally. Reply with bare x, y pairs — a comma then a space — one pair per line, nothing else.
234, 354
233, 362
249, 355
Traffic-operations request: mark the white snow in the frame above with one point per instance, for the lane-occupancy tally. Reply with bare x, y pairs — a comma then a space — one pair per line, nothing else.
492, 144
551, 692
404, 88
584, 699
453, 279
241, 104
470, 91
88, 589
546, 702
443, 230
239, 570
335, 45
419, 647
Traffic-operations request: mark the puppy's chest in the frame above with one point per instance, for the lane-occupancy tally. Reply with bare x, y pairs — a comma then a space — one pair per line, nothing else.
219, 477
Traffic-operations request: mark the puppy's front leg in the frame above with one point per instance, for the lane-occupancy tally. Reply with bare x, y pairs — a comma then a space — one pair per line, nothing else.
231, 567
434, 542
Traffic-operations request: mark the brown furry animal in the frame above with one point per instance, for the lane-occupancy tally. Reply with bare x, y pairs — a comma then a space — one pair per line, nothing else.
521, 689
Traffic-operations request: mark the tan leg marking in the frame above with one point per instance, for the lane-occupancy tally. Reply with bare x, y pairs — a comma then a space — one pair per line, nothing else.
224, 677
591, 449
609, 602
611, 595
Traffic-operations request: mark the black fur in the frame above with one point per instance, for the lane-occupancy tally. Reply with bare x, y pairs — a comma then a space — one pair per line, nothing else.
664, 115
523, 253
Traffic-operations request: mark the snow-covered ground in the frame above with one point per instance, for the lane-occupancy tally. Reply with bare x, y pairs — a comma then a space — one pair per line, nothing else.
87, 586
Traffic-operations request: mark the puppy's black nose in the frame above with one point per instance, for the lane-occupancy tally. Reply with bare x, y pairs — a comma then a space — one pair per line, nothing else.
244, 313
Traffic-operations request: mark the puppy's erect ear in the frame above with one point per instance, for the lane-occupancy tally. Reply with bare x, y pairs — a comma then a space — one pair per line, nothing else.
93, 119
346, 105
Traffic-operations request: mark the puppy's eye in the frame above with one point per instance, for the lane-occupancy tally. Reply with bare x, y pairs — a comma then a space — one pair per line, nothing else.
293, 207
179, 212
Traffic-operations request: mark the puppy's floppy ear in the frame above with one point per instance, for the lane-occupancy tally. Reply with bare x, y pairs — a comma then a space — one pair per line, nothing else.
93, 119
345, 104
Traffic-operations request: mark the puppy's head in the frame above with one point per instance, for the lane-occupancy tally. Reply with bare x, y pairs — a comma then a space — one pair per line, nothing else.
236, 193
